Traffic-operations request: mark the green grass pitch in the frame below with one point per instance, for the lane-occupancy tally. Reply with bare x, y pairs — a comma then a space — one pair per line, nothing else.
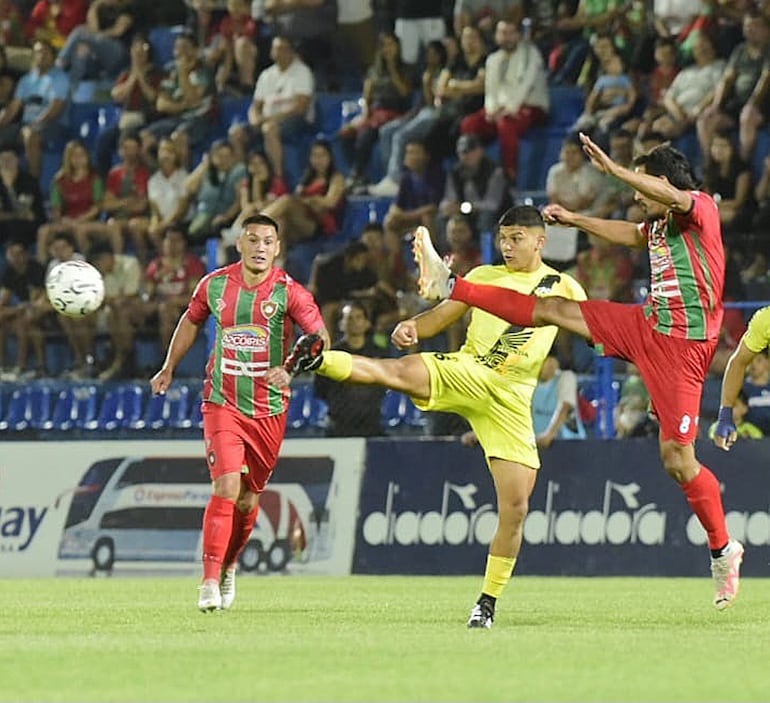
382, 639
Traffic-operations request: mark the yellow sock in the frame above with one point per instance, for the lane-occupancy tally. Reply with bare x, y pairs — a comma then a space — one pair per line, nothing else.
497, 575
336, 365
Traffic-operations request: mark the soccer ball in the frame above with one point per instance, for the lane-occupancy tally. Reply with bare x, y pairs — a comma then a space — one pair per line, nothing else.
75, 288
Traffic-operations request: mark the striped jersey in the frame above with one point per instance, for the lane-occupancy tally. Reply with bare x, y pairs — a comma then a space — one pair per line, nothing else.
254, 329
687, 271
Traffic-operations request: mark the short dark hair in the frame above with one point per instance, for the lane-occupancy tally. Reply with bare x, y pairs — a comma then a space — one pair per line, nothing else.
355, 248
524, 215
665, 160
65, 236
99, 248
259, 219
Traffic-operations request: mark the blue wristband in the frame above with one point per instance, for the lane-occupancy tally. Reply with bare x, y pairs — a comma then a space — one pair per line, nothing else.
725, 414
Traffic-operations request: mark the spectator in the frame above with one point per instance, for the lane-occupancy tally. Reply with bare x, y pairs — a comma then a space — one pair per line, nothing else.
13, 37
310, 26
691, 91
631, 415
8, 79
728, 176
475, 186
464, 253
387, 94
617, 200
213, 188
99, 48
169, 281
356, 33
740, 98
136, 91
555, 404
77, 193
609, 103
52, 21
22, 307
185, 103
485, 14
121, 311
125, 199
744, 428
233, 53
761, 221
605, 271
167, 200
40, 101
316, 205
515, 95
21, 202
341, 276
395, 134
573, 182
354, 410
418, 193
416, 25
757, 390
282, 108
259, 189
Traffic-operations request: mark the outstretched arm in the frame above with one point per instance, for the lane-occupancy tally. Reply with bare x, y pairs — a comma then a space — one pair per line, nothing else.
628, 234
181, 342
652, 187
427, 324
732, 382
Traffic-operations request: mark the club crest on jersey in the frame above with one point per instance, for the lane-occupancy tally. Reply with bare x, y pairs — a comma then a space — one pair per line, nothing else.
268, 308
249, 338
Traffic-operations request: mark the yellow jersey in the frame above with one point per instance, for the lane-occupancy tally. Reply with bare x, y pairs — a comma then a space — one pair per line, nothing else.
757, 335
517, 353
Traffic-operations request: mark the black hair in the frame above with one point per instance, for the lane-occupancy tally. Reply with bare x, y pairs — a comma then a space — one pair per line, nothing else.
355, 248
523, 215
310, 173
259, 219
664, 160
65, 236
99, 248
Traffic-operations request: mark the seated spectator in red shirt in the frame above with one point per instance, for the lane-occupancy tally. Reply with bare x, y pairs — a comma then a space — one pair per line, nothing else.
52, 21
76, 199
232, 53
169, 280
315, 206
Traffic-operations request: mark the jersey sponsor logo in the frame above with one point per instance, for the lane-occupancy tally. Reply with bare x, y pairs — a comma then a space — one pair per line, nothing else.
234, 367
268, 308
665, 289
251, 338
510, 342
546, 284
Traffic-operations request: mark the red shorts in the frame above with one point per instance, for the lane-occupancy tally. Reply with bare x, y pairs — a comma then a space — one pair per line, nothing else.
673, 369
236, 443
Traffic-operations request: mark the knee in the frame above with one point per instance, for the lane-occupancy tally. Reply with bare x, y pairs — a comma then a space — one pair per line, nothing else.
247, 502
270, 129
512, 510
676, 462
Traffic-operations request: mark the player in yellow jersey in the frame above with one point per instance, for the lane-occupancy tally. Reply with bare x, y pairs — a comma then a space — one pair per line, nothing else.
755, 340
490, 381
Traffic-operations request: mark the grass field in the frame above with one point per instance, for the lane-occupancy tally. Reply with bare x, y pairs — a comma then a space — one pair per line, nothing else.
382, 639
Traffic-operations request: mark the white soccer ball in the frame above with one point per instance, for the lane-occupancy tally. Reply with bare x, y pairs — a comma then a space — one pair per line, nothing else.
75, 288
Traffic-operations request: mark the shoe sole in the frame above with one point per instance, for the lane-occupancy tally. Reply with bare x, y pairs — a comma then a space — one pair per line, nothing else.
428, 262
209, 608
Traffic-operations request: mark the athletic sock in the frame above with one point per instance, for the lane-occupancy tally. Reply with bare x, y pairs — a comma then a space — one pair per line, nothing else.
217, 528
705, 499
497, 575
336, 365
509, 305
243, 524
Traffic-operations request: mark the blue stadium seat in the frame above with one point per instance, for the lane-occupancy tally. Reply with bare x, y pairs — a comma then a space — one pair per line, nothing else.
168, 410
567, 102
299, 406
29, 407
394, 409
111, 411
318, 415
131, 405
196, 413
162, 42
75, 407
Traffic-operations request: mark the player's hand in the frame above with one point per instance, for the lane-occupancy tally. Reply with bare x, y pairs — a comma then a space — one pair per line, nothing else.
557, 215
405, 334
598, 158
726, 432
278, 376
161, 381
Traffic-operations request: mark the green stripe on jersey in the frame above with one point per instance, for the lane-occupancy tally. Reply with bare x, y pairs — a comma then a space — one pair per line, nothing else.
279, 297
216, 292
244, 385
688, 288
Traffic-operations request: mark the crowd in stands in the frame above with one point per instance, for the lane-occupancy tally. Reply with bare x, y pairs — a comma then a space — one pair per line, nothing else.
438, 102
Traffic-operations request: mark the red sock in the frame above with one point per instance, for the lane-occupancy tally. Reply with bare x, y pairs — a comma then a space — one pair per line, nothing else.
243, 524
217, 528
705, 499
509, 305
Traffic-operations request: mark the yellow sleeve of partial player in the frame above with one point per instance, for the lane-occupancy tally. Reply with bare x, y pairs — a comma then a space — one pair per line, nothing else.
757, 336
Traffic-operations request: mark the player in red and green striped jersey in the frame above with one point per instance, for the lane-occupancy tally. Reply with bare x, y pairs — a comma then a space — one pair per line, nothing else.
671, 338
255, 305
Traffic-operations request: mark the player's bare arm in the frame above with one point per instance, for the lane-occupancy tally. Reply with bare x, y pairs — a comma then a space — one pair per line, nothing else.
181, 342
732, 382
653, 187
427, 324
616, 231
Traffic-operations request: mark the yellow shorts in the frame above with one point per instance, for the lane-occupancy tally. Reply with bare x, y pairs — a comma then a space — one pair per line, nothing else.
498, 410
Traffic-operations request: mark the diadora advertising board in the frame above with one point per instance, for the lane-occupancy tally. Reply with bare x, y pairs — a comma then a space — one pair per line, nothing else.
75, 508
600, 507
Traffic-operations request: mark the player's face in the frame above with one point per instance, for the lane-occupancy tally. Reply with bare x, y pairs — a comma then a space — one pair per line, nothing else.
652, 209
520, 246
258, 246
